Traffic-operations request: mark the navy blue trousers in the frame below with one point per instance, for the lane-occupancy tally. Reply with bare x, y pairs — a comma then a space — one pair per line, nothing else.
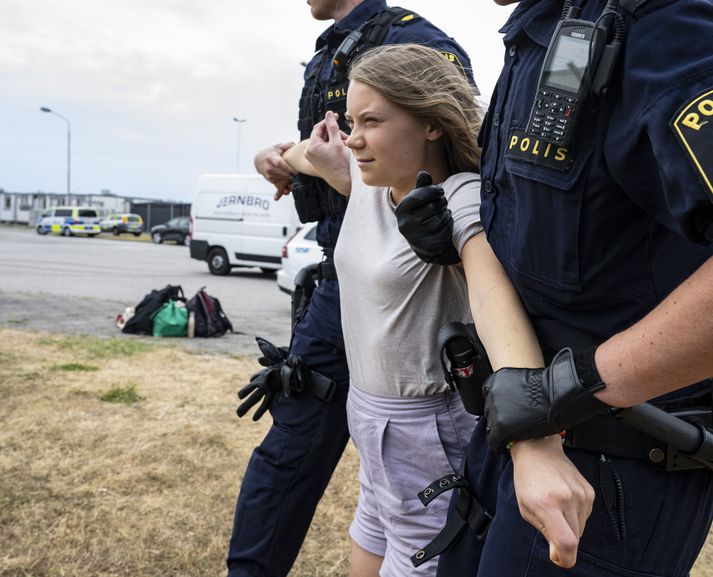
289, 471
655, 526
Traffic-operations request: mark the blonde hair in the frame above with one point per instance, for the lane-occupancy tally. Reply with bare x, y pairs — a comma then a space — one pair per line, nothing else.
425, 83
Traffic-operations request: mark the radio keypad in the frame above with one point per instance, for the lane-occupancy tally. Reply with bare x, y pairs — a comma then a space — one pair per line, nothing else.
551, 115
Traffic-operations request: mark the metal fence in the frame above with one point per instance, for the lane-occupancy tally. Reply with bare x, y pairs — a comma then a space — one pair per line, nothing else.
159, 212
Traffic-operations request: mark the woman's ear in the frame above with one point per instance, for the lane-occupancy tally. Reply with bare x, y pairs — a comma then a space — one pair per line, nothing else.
433, 132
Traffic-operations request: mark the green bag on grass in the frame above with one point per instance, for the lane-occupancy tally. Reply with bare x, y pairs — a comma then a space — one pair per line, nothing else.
171, 320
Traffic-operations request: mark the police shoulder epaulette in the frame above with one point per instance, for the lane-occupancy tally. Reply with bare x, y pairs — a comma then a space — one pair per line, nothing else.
375, 30
407, 19
393, 16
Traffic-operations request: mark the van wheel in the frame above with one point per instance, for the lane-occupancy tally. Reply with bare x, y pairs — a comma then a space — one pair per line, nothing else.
66, 231
157, 238
137, 234
186, 240
115, 231
218, 263
41, 230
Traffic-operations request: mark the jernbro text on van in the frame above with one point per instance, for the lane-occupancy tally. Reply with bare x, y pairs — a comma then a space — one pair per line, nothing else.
255, 201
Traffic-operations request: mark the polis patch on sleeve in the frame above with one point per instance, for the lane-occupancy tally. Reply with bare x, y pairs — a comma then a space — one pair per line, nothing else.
693, 127
452, 57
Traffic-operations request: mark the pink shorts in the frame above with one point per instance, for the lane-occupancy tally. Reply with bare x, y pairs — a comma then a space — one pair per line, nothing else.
404, 445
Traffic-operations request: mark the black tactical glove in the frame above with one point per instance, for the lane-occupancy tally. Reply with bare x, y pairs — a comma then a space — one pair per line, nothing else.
271, 354
264, 385
268, 382
528, 403
426, 223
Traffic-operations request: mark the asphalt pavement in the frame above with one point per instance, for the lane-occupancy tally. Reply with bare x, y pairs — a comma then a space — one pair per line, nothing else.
79, 285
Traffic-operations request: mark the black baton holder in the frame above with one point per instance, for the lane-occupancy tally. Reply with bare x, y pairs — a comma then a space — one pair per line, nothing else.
688, 434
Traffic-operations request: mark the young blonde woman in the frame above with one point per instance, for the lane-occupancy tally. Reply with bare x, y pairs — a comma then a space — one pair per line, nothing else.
409, 110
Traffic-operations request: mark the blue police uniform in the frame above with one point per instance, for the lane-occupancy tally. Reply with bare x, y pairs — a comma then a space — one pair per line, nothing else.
594, 236
289, 471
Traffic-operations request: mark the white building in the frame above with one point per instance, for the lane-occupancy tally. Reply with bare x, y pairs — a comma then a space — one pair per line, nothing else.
26, 207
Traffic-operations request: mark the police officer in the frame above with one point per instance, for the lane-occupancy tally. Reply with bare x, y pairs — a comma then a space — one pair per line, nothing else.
608, 241
289, 471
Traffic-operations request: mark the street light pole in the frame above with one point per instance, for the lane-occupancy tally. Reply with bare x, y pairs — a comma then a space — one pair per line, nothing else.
240, 122
69, 146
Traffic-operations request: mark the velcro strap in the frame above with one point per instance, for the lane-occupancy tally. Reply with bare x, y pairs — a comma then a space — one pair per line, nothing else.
449, 533
468, 511
439, 486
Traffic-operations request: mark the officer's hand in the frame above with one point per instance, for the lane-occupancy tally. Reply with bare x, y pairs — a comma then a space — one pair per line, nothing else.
530, 403
263, 386
282, 190
270, 164
426, 222
328, 154
552, 495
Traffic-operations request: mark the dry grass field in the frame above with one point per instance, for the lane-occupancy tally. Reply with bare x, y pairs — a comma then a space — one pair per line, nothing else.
121, 458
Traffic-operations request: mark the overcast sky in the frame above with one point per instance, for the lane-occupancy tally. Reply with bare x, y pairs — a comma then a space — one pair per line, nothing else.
151, 86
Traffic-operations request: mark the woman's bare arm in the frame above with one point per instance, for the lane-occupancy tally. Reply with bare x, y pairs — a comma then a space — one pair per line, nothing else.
295, 157
499, 315
551, 493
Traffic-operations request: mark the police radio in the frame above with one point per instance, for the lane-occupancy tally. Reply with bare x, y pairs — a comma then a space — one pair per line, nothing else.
578, 65
345, 51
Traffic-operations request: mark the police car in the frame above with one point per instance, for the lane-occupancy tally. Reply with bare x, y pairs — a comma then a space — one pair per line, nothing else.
125, 222
299, 251
69, 221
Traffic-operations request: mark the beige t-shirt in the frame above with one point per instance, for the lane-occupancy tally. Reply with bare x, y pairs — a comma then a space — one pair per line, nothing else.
393, 304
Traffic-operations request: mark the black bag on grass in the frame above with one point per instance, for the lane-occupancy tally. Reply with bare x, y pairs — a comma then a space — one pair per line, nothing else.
141, 322
210, 320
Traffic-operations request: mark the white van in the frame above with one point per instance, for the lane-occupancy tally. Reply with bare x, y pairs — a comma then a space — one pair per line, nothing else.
236, 222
